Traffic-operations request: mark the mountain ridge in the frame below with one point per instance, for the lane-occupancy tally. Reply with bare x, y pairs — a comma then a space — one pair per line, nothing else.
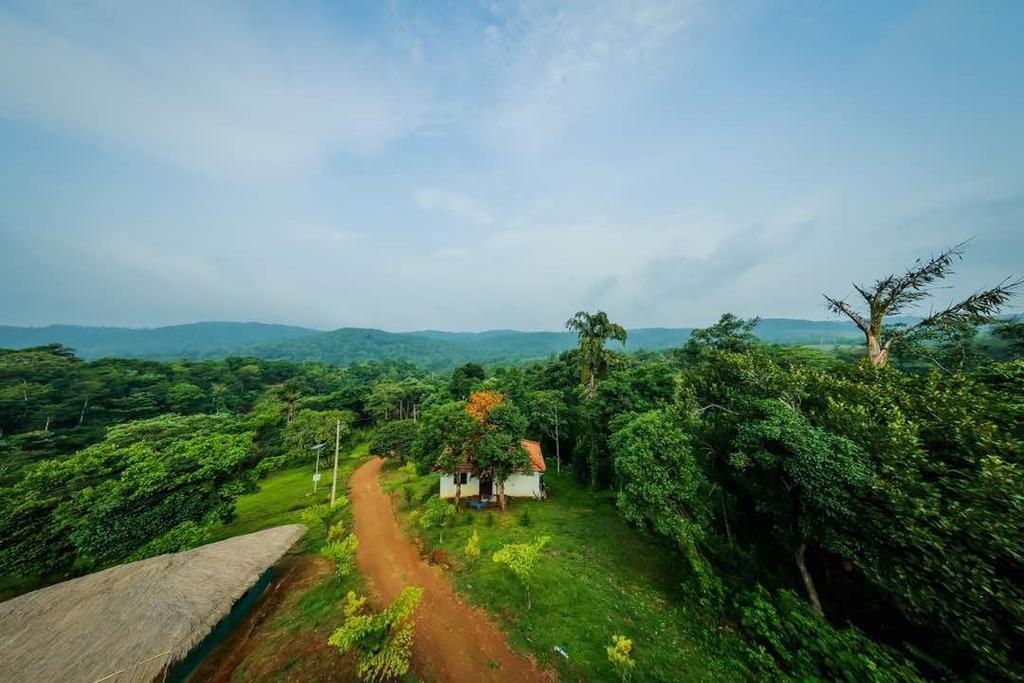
431, 348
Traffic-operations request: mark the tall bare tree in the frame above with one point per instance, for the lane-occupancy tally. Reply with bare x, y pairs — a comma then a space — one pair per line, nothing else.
894, 294
593, 331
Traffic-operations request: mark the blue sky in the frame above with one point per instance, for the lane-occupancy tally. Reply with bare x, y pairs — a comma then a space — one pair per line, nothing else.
481, 165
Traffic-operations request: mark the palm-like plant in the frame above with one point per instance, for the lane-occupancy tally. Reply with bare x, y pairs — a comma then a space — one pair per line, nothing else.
594, 330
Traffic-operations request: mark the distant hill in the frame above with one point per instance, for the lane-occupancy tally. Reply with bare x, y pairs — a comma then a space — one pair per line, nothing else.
193, 341
428, 348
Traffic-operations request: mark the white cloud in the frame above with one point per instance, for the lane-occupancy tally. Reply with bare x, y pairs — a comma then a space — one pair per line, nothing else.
558, 61
454, 204
198, 86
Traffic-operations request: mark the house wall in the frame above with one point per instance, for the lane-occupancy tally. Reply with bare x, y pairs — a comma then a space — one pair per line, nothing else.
516, 486
522, 485
470, 488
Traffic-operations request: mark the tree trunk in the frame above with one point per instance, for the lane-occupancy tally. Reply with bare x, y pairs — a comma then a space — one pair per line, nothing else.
458, 491
812, 592
501, 495
877, 353
591, 384
81, 417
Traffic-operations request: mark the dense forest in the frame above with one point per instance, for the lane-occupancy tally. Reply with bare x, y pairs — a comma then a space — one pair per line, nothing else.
849, 518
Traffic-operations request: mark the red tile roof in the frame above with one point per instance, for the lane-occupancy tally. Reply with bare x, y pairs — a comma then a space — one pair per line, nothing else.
536, 457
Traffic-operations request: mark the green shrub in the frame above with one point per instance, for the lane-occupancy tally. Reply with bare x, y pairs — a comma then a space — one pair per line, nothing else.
524, 517
787, 638
439, 514
381, 641
317, 516
520, 559
490, 519
336, 532
343, 553
407, 494
473, 546
620, 654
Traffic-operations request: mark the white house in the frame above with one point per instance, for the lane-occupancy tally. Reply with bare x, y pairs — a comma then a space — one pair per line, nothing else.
522, 484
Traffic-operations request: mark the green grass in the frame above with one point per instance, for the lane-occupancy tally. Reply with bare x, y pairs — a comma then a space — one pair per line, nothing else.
284, 494
597, 577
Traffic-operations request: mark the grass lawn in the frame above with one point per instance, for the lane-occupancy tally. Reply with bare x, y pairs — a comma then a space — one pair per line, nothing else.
284, 494
597, 577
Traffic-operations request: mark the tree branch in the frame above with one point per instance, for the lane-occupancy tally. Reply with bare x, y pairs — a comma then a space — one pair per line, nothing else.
837, 306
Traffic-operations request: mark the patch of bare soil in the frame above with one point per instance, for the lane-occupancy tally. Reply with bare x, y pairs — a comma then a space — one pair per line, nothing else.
257, 650
454, 640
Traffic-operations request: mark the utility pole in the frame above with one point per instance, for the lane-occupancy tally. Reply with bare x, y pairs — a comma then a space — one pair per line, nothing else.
558, 451
337, 444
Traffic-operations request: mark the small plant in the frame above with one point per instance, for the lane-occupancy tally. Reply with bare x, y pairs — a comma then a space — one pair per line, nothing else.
620, 655
381, 641
473, 546
336, 532
341, 501
490, 519
438, 514
343, 553
520, 558
408, 494
353, 604
524, 517
317, 515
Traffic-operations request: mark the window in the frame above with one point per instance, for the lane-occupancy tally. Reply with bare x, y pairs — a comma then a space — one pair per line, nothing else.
461, 478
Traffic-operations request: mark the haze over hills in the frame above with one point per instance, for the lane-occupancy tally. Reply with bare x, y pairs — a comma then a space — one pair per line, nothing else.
429, 348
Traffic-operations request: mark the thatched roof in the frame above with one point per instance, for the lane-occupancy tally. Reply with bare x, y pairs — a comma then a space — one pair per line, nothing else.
134, 619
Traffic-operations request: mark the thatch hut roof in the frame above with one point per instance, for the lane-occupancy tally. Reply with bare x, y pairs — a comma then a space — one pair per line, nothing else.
127, 623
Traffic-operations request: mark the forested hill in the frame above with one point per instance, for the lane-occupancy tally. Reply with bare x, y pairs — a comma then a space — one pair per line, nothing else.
193, 341
429, 348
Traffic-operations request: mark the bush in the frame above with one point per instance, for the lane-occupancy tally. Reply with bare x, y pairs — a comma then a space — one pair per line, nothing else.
336, 532
524, 517
268, 465
439, 514
520, 559
473, 546
185, 536
490, 519
317, 515
407, 494
343, 553
620, 655
382, 641
788, 638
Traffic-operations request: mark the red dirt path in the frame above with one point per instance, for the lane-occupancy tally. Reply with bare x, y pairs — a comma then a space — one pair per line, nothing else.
454, 641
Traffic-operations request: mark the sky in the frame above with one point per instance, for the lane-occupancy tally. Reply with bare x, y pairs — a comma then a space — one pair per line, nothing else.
478, 165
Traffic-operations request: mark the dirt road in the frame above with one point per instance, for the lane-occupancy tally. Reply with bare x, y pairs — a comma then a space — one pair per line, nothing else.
454, 641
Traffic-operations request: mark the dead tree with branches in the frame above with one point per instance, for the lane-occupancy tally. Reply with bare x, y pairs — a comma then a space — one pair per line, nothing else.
895, 294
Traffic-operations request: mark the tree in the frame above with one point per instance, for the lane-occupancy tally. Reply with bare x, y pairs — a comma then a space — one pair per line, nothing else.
544, 410
394, 438
438, 514
465, 379
311, 427
520, 559
443, 441
496, 446
662, 487
593, 330
382, 641
895, 294
730, 333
